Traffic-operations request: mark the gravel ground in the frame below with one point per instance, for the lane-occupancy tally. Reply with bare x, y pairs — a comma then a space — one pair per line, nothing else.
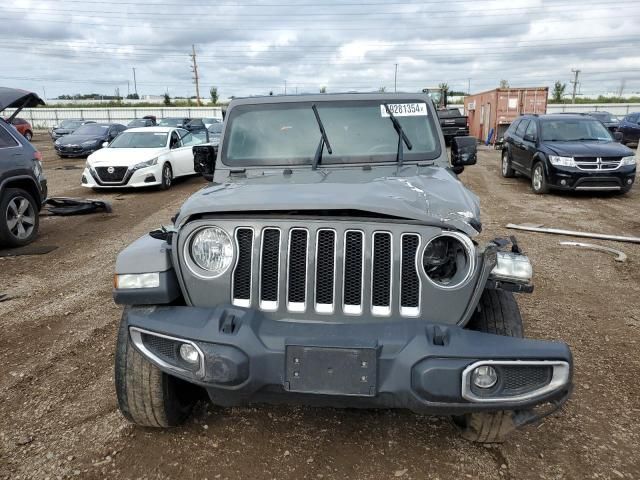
58, 414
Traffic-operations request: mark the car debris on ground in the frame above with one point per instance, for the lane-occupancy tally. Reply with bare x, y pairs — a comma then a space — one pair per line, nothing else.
75, 206
539, 227
620, 256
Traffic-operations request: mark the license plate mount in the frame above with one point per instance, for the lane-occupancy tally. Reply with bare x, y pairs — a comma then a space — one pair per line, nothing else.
331, 370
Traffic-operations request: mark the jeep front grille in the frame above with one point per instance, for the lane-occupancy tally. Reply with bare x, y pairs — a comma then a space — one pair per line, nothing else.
327, 270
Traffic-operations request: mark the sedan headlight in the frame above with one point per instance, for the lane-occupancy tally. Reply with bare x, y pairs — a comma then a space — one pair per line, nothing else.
57, 142
89, 143
148, 163
562, 161
211, 250
631, 160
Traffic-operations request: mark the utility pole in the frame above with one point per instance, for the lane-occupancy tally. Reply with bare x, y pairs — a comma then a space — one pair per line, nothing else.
395, 80
468, 86
575, 84
45, 93
128, 92
285, 87
135, 84
196, 79
622, 84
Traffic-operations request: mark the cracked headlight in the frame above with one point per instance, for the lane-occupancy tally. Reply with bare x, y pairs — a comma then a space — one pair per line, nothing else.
148, 163
448, 260
211, 250
562, 161
631, 160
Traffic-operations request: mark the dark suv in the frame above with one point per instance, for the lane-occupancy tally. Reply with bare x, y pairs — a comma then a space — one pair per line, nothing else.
23, 186
567, 152
630, 128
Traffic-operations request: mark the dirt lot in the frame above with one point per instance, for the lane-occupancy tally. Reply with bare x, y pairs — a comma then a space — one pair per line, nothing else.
58, 415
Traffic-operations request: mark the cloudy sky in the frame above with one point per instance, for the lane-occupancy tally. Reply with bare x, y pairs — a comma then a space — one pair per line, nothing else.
253, 47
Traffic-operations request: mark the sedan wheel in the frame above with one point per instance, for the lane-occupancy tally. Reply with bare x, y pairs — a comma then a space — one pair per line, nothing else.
167, 177
28, 136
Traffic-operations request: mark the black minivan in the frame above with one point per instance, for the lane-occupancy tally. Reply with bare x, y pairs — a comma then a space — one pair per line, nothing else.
567, 152
23, 185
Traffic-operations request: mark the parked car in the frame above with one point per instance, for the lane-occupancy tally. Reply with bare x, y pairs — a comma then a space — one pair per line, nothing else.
567, 152
453, 123
630, 128
608, 120
215, 131
142, 157
195, 124
332, 262
22, 126
87, 139
211, 121
176, 122
66, 127
141, 122
23, 184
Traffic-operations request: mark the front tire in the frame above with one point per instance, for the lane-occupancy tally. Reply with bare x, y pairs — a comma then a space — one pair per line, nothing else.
28, 135
539, 179
147, 396
507, 170
167, 177
497, 313
19, 219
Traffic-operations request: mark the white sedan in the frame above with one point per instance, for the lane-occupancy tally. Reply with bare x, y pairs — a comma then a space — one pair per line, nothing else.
143, 157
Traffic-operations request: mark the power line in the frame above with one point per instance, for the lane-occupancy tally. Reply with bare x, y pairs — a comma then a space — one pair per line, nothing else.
531, 9
307, 25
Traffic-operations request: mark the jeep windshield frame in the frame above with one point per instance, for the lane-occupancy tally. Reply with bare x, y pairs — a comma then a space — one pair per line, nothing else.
267, 134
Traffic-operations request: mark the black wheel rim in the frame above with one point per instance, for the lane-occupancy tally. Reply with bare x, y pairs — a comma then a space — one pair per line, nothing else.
21, 217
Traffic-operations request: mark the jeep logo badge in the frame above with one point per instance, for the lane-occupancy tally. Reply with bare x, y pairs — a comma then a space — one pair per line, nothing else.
111, 169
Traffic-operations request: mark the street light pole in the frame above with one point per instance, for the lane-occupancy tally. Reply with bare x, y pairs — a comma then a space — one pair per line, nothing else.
395, 80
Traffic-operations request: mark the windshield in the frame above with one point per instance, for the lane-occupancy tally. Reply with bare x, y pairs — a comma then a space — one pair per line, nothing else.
70, 124
140, 140
574, 130
603, 116
171, 122
92, 129
138, 123
360, 131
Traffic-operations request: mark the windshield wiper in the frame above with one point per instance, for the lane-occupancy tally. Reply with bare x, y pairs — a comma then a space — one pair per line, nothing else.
401, 136
324, 140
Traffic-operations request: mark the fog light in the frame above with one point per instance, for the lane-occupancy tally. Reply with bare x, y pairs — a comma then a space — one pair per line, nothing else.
484, 376
563, 182
629, 181
189, 353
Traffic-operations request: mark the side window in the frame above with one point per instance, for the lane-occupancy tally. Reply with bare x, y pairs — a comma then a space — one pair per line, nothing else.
522, 128
6, 140
532, 130
175, 140
512, 128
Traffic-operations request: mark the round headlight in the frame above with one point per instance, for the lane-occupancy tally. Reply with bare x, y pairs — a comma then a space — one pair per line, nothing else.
212, 250
448, 260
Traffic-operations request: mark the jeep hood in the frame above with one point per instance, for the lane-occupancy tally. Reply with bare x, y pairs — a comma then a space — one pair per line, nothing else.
430, 195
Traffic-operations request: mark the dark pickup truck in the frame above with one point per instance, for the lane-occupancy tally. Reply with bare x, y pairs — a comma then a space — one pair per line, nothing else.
452, 123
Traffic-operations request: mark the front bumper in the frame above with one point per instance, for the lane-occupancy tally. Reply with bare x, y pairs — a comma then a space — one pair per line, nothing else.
76, 151
143, 177
573, 178
246, 357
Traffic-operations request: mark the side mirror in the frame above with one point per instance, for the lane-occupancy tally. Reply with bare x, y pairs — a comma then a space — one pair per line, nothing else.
105, 144
464, 151
529, 138
204, 160
618, 136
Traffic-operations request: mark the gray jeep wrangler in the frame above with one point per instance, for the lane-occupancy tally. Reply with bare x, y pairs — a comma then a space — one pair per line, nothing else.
332, 262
